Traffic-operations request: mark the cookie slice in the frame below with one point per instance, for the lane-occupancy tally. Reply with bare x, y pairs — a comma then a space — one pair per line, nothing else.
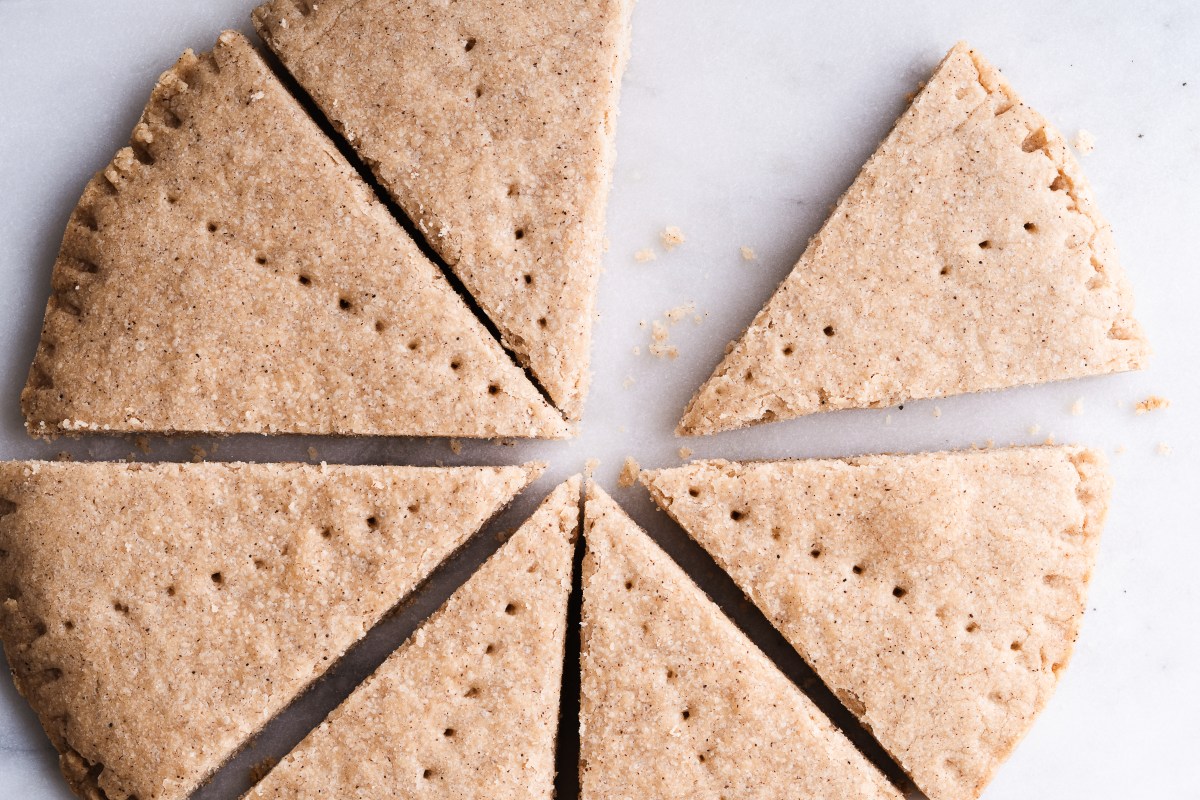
469, 704
491, 123
156, 616
939, 595
230, 272
677, 703
967, 255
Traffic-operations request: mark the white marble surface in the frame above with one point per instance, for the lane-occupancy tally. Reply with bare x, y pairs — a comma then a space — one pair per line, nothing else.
742, 123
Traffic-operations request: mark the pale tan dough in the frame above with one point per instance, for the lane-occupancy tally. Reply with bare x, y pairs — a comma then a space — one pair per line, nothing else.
230, 272
157, 615
491, 123
939, 595
677, 703
967, 255
468, 706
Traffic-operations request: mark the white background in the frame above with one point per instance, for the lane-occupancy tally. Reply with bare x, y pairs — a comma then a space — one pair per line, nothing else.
741, 123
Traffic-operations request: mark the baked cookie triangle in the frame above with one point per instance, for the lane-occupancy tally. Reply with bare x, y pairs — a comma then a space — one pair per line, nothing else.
229, 272
491, 124
967, 255
938, 595
468, 706
155, 616
676, 702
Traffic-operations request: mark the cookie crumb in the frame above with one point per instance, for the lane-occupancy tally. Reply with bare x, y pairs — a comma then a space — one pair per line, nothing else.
937, 412
669, 351
1163, 449
589, 468
748, 253
142, 443
1077, 407
1151, 403
198, 454
685, 453
637, 350
629, 473
1034, 430
313, 454
672, 237
1084, 142
455, 446
625, 384
677, 313
644, 255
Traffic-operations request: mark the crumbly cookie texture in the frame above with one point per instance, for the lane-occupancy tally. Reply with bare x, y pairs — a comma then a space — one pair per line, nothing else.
676, 702
230, 272
939, 595
469, 704
491, 124
968, 255
155, 616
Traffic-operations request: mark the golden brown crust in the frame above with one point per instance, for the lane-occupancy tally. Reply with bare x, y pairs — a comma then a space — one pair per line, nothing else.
939, 595
491, 124
157, 615
468, 706
677, 703
230, 272
968, 255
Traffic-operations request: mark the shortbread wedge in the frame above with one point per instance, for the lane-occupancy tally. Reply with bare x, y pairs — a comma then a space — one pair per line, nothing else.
491, 124
968, 255
155, 616
468, 706
230, 272
677, 703
939, 595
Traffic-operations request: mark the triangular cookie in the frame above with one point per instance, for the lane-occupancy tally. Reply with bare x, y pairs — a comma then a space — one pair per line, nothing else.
156, 616
967, 255
939, 595
491, 123
468, 706
230, 272
677, 703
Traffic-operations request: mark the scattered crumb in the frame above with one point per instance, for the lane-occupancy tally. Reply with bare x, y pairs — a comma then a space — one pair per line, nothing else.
642, 324
214, 447
1084, 142
1151, 403
64, 456
672, 237
259, 771
748, 253
510, 442
677, 313
887, 420
142, 443
198, 454
313, 454
455, 446
625, 384
1077, 407
685, 453
644, 255
937, 412
989, 444
1163, 449
1119, 450
589, 467
660, 347
637, 350
699, 318
1034, 430
258, 95
629, 473
1049, 439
